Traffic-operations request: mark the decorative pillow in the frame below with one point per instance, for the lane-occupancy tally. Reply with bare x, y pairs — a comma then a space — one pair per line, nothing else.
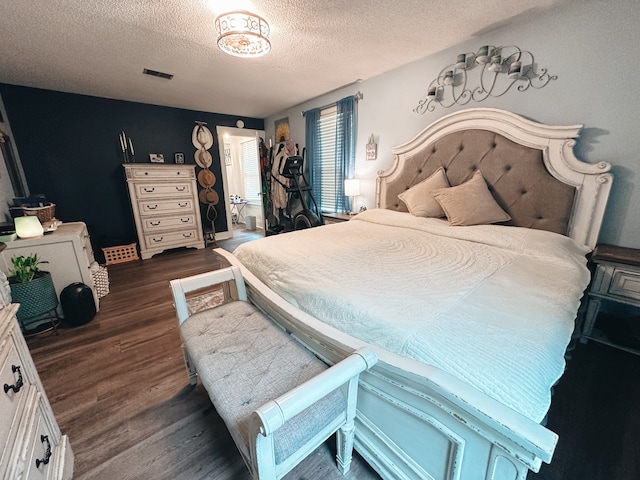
470, 203
419, 199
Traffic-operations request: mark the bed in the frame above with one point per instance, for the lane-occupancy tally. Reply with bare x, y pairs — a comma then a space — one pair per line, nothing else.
470, 321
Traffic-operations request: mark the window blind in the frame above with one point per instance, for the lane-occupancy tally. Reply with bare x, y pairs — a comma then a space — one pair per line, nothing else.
327, 158
250, 171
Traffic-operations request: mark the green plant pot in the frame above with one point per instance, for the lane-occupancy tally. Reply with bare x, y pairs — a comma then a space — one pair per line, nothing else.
36, 297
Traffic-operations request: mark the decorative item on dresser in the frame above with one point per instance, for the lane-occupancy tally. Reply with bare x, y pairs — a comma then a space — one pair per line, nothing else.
31, 443
67, 250
616, 279
164, 201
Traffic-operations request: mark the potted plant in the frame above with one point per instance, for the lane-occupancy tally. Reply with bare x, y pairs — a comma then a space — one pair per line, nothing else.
32, 288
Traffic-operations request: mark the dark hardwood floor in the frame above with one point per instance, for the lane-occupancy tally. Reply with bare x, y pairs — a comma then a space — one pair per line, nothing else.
119, 390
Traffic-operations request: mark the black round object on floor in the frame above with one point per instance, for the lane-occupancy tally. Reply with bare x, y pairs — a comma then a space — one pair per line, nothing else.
78, 304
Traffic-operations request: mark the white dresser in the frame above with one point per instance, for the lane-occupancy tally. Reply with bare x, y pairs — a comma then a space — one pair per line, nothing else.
164, 200
68, 253
31, 444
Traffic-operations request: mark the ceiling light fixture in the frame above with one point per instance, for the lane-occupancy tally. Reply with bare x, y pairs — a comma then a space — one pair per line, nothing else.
243, 34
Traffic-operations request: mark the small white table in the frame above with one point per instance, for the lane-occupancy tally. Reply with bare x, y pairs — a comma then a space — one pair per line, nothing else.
237, 211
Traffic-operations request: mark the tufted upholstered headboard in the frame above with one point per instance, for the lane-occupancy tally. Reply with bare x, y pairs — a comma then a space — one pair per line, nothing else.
529, 168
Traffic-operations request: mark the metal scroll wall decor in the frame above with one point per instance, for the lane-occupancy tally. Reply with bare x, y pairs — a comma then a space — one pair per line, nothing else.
202, 139
489, 72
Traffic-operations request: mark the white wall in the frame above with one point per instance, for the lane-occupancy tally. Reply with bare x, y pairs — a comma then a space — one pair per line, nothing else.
591, 46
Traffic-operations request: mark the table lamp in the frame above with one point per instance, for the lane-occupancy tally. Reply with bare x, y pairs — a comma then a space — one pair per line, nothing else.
28, 226
352, 189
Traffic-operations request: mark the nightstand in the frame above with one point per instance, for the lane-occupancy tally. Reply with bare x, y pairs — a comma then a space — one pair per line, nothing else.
336, 217
616, 279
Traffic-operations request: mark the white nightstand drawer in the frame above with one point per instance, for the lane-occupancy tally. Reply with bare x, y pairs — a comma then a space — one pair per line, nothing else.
625, 284
15, 375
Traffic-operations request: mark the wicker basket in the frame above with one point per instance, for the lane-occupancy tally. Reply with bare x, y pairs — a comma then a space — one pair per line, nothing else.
44, 214
100, 278
121, 253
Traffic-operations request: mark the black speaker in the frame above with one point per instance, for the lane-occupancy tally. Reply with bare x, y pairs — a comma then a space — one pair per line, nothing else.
77, 304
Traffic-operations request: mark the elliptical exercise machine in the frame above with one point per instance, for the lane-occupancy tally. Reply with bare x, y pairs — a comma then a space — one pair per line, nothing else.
299, 188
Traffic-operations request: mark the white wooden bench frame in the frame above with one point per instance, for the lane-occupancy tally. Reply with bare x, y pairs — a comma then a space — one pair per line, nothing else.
268, 418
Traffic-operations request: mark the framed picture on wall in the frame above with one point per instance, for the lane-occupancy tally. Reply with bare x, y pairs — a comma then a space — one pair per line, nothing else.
179, 157
156, 157
282, 129
227, 154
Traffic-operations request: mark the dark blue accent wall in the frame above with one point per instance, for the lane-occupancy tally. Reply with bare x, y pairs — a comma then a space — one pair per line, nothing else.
69, 148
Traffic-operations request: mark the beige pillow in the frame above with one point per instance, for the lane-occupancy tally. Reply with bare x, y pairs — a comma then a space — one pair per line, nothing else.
418, 198
470, 203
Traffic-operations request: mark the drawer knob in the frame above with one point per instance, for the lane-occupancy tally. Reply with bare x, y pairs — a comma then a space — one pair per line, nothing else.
157, 240
19, 383
47, 452
181, 189
156, 223
187, 235
149, 189
182, 205
185, 220
152, 207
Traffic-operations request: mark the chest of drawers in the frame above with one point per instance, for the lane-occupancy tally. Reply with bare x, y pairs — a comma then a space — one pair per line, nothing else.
164, 201
31, 444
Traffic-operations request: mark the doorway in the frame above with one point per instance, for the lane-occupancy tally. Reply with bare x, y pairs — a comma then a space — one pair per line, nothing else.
241, 176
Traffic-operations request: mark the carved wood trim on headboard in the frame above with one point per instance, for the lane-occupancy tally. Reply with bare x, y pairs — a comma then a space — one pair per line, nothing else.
530, 168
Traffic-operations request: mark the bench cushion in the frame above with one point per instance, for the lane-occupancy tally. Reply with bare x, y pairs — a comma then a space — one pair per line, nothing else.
244, 360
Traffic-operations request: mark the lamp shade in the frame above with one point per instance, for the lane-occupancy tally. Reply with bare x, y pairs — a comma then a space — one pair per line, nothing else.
352, 187
28, 226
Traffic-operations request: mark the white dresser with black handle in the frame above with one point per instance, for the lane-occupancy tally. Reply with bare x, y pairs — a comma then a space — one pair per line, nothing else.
164, 202
32, 446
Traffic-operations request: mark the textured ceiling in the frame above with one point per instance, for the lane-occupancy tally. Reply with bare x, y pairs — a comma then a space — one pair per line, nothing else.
100, 47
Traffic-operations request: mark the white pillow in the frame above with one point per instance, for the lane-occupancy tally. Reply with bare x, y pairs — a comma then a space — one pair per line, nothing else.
419, 199
470, 203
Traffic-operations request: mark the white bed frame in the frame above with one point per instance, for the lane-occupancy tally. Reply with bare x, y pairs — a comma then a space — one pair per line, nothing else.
415, 421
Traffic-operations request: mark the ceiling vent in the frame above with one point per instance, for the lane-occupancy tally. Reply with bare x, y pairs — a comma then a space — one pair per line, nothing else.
155, 73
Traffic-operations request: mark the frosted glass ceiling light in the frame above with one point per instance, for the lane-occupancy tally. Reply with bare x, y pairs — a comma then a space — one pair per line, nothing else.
243, 34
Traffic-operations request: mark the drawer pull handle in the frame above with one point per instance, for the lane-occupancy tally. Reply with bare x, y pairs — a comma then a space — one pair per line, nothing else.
19, 383
182, 205
152, 207
157, 240
47, 453
149, 189
187, 235
185, 220
181, 189
155, 224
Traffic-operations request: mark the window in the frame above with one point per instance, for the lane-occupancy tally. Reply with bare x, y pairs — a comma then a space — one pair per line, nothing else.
326, 160
250, 171
330, 141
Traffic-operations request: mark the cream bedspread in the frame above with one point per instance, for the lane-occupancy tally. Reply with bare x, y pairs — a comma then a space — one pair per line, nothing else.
492, 305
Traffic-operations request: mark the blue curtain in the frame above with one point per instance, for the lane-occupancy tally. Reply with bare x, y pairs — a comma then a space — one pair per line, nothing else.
312, 146
346, 129
345, 153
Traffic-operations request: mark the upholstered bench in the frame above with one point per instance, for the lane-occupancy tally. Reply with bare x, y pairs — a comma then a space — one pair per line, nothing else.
278, 400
